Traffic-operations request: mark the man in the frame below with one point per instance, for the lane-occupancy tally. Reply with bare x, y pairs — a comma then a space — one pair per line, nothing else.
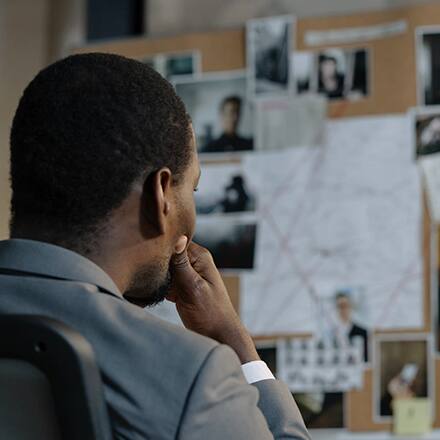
103, 170
346, 329
230, 140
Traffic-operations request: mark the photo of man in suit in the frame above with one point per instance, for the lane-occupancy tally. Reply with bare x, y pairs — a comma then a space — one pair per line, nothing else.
104, 168
346, 329
230, 139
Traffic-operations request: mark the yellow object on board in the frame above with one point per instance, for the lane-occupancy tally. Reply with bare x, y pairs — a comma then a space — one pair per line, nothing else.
412, 416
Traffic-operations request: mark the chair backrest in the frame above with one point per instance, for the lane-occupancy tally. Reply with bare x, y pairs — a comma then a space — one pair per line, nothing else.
50, 385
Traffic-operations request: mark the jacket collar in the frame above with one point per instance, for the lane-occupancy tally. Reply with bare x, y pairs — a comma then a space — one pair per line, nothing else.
44, 259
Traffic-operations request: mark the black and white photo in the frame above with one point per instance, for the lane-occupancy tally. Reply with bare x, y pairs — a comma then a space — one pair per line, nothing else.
221, 115
343, 73
303, 66
426, 130
347, 328
403, 370
320, 410
224, 189
231, 242
170, 65
428, 65
269, 43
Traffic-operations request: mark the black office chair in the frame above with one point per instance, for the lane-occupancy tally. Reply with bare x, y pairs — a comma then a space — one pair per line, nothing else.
50, 386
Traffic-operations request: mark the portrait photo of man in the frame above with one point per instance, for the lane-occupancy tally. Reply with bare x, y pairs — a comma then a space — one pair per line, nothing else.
221, 114
343, 73
346, 329
230, 139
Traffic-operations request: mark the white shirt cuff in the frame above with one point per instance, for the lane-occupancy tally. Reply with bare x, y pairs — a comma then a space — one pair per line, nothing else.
255, 371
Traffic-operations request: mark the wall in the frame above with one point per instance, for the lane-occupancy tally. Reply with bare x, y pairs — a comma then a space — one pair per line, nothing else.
23, 36
32, 33
178, 16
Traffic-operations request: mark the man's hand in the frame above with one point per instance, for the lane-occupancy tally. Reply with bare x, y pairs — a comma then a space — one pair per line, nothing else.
203, 302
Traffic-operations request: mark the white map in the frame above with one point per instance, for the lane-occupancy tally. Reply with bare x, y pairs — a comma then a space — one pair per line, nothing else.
345, 215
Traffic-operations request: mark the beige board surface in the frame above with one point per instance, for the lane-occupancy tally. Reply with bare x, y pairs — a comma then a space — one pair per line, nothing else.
393, 90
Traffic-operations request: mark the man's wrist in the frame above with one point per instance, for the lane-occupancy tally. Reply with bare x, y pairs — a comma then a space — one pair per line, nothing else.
241, 342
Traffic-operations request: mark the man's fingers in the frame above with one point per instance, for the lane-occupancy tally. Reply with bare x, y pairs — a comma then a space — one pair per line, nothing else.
180, 264
198, 254
184, 274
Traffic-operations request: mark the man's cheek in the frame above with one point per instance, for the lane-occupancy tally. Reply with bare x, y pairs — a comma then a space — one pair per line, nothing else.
192, 223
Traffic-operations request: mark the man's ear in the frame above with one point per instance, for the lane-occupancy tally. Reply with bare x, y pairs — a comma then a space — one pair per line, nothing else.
156, 199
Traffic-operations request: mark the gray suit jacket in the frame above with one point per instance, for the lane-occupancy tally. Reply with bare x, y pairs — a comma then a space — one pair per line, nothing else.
160, 381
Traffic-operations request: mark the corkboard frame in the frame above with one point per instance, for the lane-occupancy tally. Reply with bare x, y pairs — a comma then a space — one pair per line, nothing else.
394, 90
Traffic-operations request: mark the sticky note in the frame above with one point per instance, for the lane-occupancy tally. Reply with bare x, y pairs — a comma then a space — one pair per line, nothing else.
412, 416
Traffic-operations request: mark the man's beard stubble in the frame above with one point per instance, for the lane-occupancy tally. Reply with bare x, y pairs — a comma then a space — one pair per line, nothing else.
149, 286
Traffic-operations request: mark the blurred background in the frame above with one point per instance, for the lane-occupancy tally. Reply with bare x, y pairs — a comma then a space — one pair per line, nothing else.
346, 93
34, 33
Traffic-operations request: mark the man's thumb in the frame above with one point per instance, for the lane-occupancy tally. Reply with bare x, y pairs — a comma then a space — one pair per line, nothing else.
181, 268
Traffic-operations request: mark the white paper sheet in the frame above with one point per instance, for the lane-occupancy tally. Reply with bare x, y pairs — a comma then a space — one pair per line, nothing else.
355, 34
345, 215
268, 47
289, 121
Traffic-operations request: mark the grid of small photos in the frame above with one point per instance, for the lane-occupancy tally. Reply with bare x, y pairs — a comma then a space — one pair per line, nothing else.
403, 368
239, 113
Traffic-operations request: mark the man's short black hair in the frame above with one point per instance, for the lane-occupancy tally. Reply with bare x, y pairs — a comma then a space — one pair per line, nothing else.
86, 128
232, 99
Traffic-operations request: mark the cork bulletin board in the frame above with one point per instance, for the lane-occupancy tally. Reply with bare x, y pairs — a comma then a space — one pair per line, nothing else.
393, 90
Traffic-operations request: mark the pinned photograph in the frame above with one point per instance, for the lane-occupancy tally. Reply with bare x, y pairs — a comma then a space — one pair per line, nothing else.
346, 326
320, 410
346, 318
224, 189
231, 242
311, 365
303, 65
221, 115
426, 130
403, 371
170, 65
286, 122
428, 64
343, 73
268, 54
